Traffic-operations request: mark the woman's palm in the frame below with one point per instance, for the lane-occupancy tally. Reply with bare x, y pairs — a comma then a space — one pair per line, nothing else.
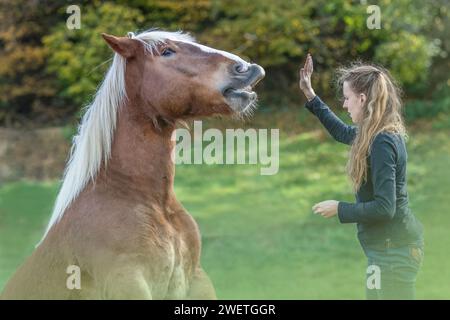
305, 75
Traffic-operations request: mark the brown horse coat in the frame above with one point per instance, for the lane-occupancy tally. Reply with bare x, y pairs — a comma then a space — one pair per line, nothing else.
117, 218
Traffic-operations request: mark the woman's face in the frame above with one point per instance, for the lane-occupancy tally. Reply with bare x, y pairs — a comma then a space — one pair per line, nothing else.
353, 102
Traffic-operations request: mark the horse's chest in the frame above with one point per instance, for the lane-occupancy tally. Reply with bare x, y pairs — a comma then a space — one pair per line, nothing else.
185, 257
178, 248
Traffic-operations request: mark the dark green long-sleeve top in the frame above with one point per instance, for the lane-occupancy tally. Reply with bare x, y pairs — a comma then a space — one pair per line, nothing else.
381, 210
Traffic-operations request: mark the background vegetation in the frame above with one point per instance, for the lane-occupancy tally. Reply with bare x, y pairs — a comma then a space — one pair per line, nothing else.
48, 72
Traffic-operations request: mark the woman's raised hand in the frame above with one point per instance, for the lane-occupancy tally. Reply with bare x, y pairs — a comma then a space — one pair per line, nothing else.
305, 78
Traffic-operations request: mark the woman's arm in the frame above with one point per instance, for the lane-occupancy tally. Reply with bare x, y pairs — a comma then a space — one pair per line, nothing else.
383, 171
335, 126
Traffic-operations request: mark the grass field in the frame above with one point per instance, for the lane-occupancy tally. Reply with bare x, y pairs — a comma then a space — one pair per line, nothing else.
260, 237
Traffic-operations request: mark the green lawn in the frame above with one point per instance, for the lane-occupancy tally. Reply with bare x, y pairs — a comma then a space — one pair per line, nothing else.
260, 237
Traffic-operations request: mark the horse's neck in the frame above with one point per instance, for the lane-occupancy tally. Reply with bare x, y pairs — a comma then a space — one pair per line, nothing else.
141, 159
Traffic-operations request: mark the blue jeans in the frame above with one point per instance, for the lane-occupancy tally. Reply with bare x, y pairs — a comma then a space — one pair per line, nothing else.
392, 272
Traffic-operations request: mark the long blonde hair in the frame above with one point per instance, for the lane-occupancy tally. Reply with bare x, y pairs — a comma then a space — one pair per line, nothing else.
382, 112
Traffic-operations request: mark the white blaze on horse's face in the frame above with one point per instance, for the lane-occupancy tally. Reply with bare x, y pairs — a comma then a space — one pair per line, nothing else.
209, 81
238, 80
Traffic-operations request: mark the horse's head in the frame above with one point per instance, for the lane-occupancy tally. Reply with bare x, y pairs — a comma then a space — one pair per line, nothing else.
174, 77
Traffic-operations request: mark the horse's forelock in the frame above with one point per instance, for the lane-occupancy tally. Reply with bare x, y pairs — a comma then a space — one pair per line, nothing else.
153, 37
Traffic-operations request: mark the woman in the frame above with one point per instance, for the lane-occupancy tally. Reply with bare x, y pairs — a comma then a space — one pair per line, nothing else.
389, 233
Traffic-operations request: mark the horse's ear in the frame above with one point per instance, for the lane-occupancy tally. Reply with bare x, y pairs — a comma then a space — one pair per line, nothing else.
124, 46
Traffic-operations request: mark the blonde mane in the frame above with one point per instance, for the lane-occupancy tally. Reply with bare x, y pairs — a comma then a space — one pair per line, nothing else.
92, 145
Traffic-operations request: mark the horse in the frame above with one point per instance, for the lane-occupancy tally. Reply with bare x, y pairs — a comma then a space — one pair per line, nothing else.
116, 218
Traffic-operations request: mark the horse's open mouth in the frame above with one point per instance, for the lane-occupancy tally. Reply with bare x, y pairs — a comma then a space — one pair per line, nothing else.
241, 100
239, 93
246, 92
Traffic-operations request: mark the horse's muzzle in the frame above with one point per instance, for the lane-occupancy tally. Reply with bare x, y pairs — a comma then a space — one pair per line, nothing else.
242, 83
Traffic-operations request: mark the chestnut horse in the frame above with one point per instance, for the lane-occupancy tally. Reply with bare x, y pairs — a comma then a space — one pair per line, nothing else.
116, 217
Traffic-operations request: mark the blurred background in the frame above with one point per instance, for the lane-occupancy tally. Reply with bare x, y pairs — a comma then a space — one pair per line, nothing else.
260, 237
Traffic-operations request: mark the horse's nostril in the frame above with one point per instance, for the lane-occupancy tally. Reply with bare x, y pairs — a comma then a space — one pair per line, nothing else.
240, 68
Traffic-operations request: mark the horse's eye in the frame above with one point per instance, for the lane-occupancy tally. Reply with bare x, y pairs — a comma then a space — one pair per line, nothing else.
167, 52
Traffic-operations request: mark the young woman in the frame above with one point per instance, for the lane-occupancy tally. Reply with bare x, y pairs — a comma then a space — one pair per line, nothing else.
389, 233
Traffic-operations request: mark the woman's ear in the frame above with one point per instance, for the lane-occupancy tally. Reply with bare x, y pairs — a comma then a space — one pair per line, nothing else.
362, 98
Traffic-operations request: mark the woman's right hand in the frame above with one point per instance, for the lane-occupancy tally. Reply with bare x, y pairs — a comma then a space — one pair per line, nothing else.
305, 78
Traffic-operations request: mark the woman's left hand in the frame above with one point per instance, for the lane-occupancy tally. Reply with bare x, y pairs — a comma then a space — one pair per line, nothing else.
327, 209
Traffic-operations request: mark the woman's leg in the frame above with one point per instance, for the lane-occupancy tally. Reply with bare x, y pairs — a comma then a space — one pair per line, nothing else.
398, 271
405, 263
397, 290
373, 274
371, 293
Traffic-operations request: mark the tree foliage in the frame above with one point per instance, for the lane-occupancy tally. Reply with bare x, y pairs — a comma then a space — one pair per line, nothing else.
79, 58
48, 71
25, 88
